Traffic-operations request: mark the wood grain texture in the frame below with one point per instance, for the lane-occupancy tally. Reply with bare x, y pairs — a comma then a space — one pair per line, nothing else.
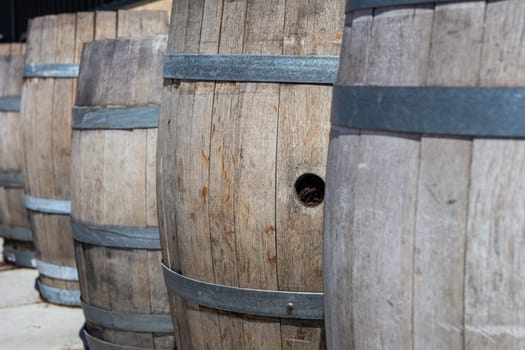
113, 183
443, 187
225, 184
164, 5
494, 278
464, 290
13, 213
46, 114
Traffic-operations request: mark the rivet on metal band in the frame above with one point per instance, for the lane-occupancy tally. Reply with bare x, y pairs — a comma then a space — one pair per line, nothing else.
469, 111
116, 236
252, 68
354, 5
98, 344
10, 104
68, 297
126, 321
23, 259
47, 205
267, 303
60, 272
11, 180
53, 70
18, 234
141, 117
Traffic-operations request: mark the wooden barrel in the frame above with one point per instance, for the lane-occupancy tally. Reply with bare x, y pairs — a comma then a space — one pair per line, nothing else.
424, 215
14, 220
51, 70
114, 209
243, 137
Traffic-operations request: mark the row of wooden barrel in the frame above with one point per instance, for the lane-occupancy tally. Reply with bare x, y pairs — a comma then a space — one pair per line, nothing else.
422, 223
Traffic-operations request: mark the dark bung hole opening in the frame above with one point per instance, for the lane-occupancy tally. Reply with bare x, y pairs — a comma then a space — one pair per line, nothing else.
310, 189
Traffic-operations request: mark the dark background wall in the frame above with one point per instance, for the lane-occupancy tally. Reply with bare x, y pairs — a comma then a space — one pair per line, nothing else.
14, 14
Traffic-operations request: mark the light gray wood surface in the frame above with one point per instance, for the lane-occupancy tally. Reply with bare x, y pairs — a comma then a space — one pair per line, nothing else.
423, 234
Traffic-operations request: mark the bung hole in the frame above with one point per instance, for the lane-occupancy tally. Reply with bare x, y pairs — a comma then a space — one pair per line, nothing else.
310, 189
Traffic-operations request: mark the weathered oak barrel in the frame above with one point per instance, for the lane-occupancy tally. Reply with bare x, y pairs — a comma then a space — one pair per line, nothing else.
424, 225
243, 137
114, 215
14, 220
51, 70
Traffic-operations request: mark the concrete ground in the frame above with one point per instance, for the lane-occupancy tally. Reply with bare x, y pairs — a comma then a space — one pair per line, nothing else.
27, 322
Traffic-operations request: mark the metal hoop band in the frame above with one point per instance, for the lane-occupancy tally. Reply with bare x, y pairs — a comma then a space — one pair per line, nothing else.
53, 70
141, 117
469, 111
252, 68
126, 321
60, 296
246, 301
116, 236
355, 5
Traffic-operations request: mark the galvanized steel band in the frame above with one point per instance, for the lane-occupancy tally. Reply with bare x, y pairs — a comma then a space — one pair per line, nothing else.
138, 117
68, 297
468, 111
116, 236
60, 272
354, 5
10, 104
52, 70
11, 180
269, 303
19, 258
252, 68
98, 344
47, 205
19, 234
126, 321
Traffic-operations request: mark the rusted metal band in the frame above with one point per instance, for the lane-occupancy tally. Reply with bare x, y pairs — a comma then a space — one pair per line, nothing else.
10, 104
267, 303
294, 69
127, 321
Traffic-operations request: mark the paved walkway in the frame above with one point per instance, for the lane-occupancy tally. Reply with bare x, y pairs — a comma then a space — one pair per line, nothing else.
27, 322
